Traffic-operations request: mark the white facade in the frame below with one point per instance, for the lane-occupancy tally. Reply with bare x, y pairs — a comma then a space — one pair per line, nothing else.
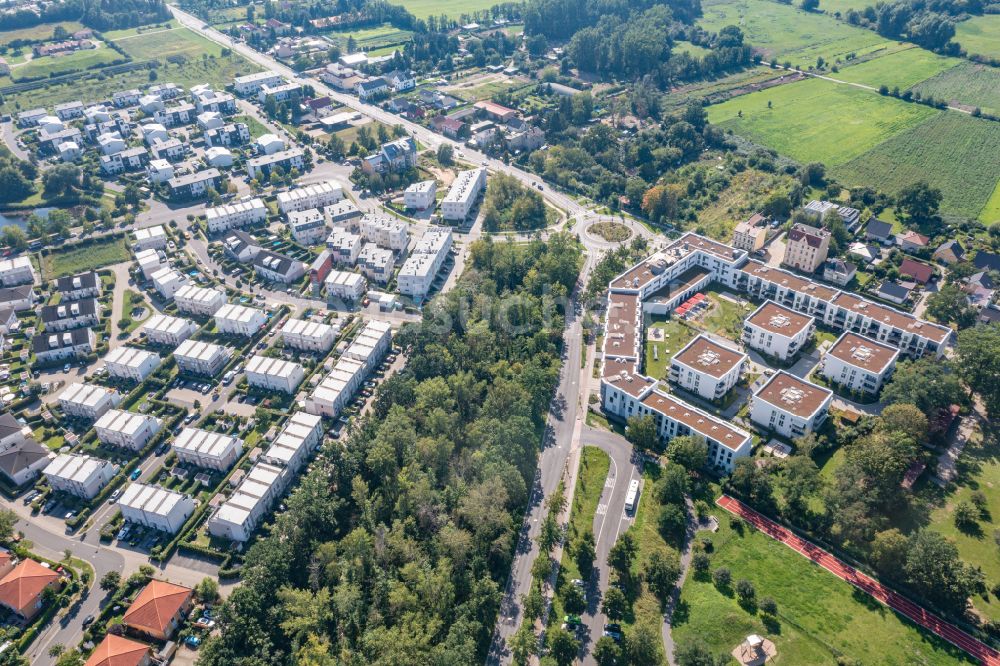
126, 429
240, 515
384, 231
463, 194
345, 286
707, 368
131, 363
269, 144
376, 262
222, 218
199, 300
417, 274
345, 246
170, 331
336, 390
293, 158
155, 507
150, 238
790, 406
420, 196
317, 195
200, 358
160, 171
858, 363
203, 448
251, 83
308, 226
274, 374
167, 281
232, 319
17, 270
149, 262
371, 345
302, 433
217, 156
82, 476
777, 331
87, 401
308, 335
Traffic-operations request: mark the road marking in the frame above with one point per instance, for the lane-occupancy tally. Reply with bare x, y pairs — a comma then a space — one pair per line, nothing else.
614, 476
610, 481
602, 509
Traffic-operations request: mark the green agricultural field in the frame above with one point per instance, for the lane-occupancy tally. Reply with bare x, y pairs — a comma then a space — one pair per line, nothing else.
969, 85
818, 121
76, 61
84, 258
952, 151
115, 35
991, 211
164, 43
900, 69
821, 619
451, 8
43, 31
787, 33
373, 38
980, 35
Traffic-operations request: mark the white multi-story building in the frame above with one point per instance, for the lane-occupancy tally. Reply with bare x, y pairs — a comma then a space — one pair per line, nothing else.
82, 476
201, 358
790, 406
203, 448
286, 160
858, 363
87, 401
345, 286
345, 246
151, 237
308, 226
199, 300
384, 231
131, 363
317, 195
280, 93
71, 314
302, 433
308, 335
463, 194
239, 516
707, 368
156, 507
229, 216
149, 262
417, 274
167, 282
127, 430
17, 270
376, 262
751, 234
371, 345
336, 390
232, 319
420, 196
76, 287
59, 346
274, 374
777, 331
170, 331
252, 83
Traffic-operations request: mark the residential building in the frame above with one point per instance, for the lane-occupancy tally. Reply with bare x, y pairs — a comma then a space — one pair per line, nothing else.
499, 113
463, 194
525, 138
220, 157
231, 135
155, 507
335, 391
308, 226
69, 110
949, 252
274, 374
839, 272
70, 151
167, 281
372, 88
153, 132
777, 331
76, 287
319, 269
209, 120
371, 345
117, 651
199, 300
911, 241
239, 516
82, 476
171, 149
850, 216
274, 267
22, 463
126, 98
201, 358
154, 237
918, 271
269, 144
31, 117
286, 160
239, 320
236, 215
87, 401
16, 271
317, 195
111, 143
376, 263
177, 115
53, 347
149, 261
345, 286
192, 185
895, 292
878, 231
789, 406
308, 335
858, 363
21, 590
393, 156
127, 430
169, 331
12, 433
18, 299
387, 232
420, 196
131, 159
71, 314
343, 212
204, 448
806, 248
418, 272
282, 92
240, 246
252, 83
300, 436
345, 246
131, 363
400, 80
159, 609
707, 368
751, 234
986, 261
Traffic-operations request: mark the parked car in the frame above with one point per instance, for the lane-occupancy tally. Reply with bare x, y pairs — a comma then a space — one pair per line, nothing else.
136, 473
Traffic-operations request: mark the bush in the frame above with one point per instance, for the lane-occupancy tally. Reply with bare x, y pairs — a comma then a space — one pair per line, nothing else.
722, 577
768, 606
700, 562
745, 590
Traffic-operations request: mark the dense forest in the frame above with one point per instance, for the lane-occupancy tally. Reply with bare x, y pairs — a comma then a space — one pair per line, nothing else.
394, 547
97, 14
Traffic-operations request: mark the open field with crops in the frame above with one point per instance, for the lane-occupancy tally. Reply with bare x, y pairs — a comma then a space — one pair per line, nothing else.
42, 31
901, 69
980, 35
952, 151
372, 38
452, 8
166, 43
818, 121
968, 84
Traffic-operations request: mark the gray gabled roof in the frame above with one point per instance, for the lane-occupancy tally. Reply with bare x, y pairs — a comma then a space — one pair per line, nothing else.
21, 457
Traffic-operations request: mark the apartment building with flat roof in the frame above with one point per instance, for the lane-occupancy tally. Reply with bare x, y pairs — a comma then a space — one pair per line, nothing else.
790, 406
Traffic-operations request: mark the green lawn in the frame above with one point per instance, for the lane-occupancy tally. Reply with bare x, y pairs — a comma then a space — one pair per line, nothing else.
134, 299
256, 127
954, 152
969, 85
658, 354
900, 69
725, 318
115, 35
373, 38
40, 31
163, 43
820, 617
818, 121
990, 214
980, 35
77, 260
76, 61
452, 8
842, 6
692, 50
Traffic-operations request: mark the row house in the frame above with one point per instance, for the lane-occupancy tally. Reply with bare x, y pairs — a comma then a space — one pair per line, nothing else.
231, 135
76, 287
71, 314
207, 449
56, 347
126, 430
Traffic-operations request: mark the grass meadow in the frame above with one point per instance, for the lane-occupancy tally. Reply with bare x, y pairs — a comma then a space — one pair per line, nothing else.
968, 84
451, 8
165, 43
76, 61
58, 263
903, 68
40, 31
980, 35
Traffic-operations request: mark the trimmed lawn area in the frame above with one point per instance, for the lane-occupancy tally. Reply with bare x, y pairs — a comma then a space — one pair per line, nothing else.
256, 127
64, 64
133, 300
902, 68
373, 38
980, 35
692, 50
452, 8
676, 334
725, 318
165, 43
84, 258
820, 617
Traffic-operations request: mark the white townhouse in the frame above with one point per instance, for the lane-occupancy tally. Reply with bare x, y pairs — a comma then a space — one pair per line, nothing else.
193, 185
17, 299
199, 300
111, 143
777, 331
75, 287
707, 368
336, 390
371, 344
250, 84
233, 319
420, 196
274, 267
154, 237
376, 262
280, 93
149, 262
126, 98
308, 226
71, 314
342, 212
462, 196
131, 363
345, 246
204, 448
201, 358
167, 281
308, 335
387, 232
269, 144
300, 436
858, 363
153, 132
417, 274
790, 406
239, 516
87, 401
236, 215
127, 430
274, 374
17, 270
169, 331
152, 506
286, 160
317, 195
59, 346
345, 286
82, 476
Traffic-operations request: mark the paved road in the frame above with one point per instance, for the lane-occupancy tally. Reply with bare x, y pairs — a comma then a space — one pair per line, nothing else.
863, 582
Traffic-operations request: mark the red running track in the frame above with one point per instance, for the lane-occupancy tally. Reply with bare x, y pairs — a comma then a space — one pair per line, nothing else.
897, 602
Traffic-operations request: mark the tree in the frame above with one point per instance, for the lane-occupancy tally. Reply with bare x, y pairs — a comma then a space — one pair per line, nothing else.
700, 562
768, 606
70, 658
927, 383
622, 554
584, 554
641, 431
978, 352
446, 154
660, 202
906, 419
690, 452
523, 643
606, 652
950, 305
722, 577
810, 5
574, 601
562, 646
696, 654
111, 581
673, 485
919, 204
662, 570
672, 523
813, 175
7, 521
60, 181
745, 590
752, 483
13, 237
935, 570
644, 646
207, 590
966, 516
889, 551
615, 604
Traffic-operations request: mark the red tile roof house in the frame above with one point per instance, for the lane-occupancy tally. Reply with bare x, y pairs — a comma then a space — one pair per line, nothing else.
158, 610
118, 651
910, 240
922, 273
21, 589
